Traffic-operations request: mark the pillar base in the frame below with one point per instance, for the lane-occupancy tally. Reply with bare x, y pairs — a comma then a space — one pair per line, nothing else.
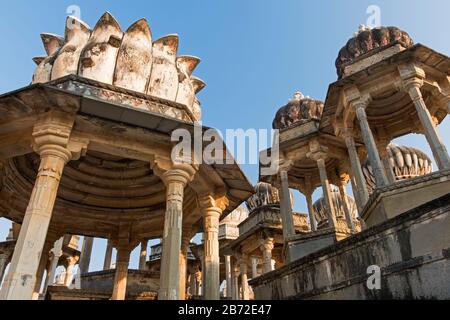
389, 202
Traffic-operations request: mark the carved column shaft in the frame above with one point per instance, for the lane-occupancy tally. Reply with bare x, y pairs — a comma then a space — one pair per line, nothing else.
434, 140
86, 253
57, 253
254, 268
266, 249
361, 186
286, 207
121, 275
386, 162
212, 258
175, 181
185, 241
41, 269
372, 151
348, 214
108, 256
309, 202
4, 260
235, 282
228, 277
21, 279
71, 262
143, 255
244, 279
331, 210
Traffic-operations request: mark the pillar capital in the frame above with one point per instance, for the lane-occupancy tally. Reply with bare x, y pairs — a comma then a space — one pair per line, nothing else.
412, 76
267, 244
212, 204
169, 171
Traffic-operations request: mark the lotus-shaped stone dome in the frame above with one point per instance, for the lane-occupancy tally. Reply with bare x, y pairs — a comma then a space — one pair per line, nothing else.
299, 109
406, 163
320, 212
130, 60
367, 40
265, 195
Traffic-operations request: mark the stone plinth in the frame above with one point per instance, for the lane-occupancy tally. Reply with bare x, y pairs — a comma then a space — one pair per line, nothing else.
387, 203
412, 251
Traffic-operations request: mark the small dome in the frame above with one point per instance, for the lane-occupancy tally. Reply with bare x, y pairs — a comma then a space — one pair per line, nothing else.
265, 195
236, 217
299, 109
320, 212
406, 162
367, 40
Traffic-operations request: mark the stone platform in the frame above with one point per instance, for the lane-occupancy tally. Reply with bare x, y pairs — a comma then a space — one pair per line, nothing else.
141, 285
388, 202
412, 251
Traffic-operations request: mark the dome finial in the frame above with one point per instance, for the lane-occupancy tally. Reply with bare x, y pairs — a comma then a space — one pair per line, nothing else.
297, 96
362, 27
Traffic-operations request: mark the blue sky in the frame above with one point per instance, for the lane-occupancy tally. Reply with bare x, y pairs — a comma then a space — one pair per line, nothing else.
255, 53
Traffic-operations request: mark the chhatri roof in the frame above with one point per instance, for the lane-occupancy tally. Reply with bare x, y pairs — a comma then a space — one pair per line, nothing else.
366, 41
298, 110
130, 60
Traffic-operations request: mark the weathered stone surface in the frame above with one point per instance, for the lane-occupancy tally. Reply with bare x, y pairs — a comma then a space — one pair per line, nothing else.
127, 60
320, 208
298, 110
411, 250
406, 163
367, 40
265, 195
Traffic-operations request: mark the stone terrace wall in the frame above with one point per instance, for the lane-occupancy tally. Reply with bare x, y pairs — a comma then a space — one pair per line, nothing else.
412, 250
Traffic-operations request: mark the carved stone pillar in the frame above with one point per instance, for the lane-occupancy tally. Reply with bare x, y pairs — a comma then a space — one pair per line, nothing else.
309, 203
383, 151
413, 82
21, 279
71, 262
244, 278
108, 256
369, 141
143, 255
211, 216
254, 267
120, 278
266, 248
185, 241
348, 214
56, 255
86, 252
228, 277
286, 206
4, 260
320, 157
361, 187
175, 180
235, 282
41, 270
356, 194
